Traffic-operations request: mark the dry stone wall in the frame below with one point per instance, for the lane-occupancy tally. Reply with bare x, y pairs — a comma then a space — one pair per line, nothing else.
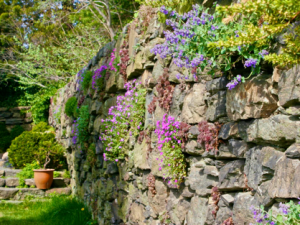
16, 116
257, 162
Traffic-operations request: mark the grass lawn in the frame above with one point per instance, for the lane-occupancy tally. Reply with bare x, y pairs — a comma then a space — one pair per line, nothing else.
57, 210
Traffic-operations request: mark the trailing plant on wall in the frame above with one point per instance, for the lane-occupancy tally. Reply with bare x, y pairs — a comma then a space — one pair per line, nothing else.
288, 214
125, 118
87, 77
170, 149
99, 78
82, 124
191, 44
264, 20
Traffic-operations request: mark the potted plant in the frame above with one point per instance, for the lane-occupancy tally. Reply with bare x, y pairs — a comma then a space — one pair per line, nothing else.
43, 178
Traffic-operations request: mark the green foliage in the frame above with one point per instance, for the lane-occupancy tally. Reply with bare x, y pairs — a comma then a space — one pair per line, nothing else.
41, 127
5, 143
83, 122
3, 130
27, 173
16, 131
33, 145
87, 77
71, 106
91, 155
6, 137
56, 210
263, 21
66, 174
56, 174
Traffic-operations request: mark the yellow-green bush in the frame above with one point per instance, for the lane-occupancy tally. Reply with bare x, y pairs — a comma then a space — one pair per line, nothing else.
33, 145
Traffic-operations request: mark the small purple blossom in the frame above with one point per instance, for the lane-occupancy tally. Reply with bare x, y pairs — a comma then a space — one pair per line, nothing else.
251, 63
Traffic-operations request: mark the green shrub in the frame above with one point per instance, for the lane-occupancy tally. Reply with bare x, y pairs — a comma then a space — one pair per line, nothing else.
16, 131
42, 127
87, 77
27, 173
31, 146
56, 174
71, 106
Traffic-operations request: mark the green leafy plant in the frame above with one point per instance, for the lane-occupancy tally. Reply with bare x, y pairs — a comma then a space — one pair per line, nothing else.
71, 106
263, 21
57, 115
56, 174
16, 131
27, 173
87, 77
42, 127
66, 174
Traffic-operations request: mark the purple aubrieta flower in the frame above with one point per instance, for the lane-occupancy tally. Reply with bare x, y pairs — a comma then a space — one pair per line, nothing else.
251, 63
284, 208
232, 84
263, 53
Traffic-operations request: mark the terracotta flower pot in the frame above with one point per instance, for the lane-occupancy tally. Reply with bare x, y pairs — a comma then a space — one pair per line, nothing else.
43, 178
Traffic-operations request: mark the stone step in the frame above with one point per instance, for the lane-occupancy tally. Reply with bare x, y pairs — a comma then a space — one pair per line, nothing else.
9, 172
14, 182
21, 193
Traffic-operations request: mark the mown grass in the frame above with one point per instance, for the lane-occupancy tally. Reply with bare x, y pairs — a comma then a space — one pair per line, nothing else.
57, 210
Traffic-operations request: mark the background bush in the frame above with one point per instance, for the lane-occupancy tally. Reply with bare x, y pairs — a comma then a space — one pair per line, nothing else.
71, 106
42, 127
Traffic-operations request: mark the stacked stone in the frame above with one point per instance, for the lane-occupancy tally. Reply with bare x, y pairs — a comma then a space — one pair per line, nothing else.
16, 116
256, 164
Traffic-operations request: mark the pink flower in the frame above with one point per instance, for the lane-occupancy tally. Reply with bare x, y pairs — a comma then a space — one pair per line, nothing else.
159, 168
117, 160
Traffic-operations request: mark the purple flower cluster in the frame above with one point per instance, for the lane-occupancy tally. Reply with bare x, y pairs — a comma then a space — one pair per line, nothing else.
116, 127
167, 132
97, 75
183, 34
261, 217
251, 63
112, 58
263, 53
283, 208
232, 84
80, 78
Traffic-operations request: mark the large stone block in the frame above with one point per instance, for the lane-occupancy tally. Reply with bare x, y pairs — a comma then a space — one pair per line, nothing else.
279, 130
286, 180
198, 211
216, 106
252, 99
12, 182
194, 107
289, 87
242, 213
260, 164
232, 176
140, 154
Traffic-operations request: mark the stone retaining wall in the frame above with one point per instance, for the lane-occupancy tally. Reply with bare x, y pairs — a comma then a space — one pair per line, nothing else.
257, 162
16, 116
